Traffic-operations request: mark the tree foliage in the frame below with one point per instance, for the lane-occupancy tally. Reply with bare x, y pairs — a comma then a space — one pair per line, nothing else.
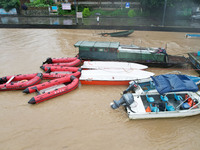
40, 3
9, 4
86, 12
131, 13
153, 4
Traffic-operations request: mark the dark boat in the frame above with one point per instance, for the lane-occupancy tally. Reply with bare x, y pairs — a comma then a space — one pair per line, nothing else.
113, 51
118, 34
194, 59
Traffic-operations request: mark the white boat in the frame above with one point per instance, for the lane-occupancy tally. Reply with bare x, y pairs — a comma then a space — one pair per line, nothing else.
138, 109
192, 35
174, 98
112, 65
112, 76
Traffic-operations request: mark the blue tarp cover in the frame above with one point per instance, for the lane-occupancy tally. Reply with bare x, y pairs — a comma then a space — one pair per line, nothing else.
174, 83
193, 35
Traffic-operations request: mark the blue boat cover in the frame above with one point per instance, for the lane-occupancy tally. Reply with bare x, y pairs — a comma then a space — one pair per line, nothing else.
174, 83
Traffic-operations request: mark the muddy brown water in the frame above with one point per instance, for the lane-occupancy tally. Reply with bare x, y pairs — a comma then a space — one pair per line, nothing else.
83, 119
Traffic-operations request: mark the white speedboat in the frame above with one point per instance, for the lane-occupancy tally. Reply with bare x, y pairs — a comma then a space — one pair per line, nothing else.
174, 98
112, 76
112, 65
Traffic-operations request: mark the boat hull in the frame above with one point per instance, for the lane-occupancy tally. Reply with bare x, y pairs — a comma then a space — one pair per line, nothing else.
74, 63
56, 92
139, 112
192, 35
59, 60
101, 82
113, 51
50, 83
112, 65
154, 115
60, 69
18, 77
54, 75
112, 77
194, 60
118, 34
21, 84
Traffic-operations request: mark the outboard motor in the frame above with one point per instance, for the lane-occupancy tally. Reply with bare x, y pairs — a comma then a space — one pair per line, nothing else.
126, 100
131, 87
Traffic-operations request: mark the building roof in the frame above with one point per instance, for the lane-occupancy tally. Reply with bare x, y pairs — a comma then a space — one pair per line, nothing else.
97, 44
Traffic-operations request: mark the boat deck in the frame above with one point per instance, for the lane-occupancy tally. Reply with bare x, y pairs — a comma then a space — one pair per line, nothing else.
173, 61
138, 109
161, 103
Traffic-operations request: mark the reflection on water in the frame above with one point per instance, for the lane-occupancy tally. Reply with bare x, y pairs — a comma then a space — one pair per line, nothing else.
137, 21
37, 20
83, 119
9, 20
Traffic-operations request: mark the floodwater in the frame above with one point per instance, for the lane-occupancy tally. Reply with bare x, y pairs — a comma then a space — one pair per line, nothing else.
83, 119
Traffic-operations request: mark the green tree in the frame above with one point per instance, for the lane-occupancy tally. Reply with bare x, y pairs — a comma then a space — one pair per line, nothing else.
156, 4
131, 13
152, 4
39, 3
86, 12
174, 7
9, 4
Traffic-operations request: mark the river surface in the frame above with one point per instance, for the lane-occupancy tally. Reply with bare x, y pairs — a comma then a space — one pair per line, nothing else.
83, 119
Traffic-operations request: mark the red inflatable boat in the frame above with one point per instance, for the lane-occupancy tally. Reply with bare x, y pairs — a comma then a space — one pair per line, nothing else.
18, 77
59, 69
19, 82
75, 63
74, 82
62, 79
60, 60
52, 75
45, 76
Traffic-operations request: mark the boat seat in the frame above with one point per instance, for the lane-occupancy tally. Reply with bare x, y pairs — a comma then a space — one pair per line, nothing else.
169, 107
164, 98
178, 97
154, 108
185, 106
150, 99
152, 85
